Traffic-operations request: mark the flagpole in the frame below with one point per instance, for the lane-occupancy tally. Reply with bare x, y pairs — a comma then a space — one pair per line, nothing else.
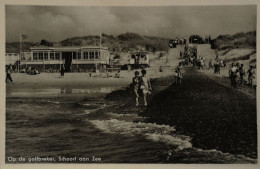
18, 69
100, 41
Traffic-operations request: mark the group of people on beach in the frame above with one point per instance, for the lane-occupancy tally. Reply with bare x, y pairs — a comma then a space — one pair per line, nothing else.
141, 84
237, 74
216, 66
190, 57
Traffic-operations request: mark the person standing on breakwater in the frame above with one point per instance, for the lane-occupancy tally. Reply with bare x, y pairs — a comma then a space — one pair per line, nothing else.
145, 85
178, 75
251, 76
242, 74
136, 85
217, 68
211, 64
233, 75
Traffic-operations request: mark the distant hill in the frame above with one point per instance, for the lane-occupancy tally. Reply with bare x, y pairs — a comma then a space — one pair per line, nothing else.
122, 43
128, 42
14, 47
238, 40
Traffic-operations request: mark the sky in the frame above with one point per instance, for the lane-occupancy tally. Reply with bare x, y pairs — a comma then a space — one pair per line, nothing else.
56, 23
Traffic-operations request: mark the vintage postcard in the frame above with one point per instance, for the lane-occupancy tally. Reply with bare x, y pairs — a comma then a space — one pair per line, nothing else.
129, 84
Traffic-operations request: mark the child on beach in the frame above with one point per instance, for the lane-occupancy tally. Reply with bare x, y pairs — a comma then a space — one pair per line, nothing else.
136, 86
145, 85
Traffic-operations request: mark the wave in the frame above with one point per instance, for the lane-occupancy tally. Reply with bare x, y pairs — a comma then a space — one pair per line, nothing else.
151, 131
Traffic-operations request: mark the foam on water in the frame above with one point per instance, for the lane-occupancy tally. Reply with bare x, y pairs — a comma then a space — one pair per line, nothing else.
179, 140
154, 132
215, 152
53, 102
120, 115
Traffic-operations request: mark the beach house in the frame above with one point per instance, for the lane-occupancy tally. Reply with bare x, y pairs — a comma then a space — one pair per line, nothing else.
73, 58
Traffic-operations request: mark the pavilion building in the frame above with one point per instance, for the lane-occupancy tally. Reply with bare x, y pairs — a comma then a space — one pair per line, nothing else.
73, 58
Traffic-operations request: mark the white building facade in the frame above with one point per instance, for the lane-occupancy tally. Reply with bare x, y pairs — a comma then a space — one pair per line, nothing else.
73, 58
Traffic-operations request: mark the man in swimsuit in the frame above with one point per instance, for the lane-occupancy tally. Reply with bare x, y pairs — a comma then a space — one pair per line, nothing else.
145, 85
136, 86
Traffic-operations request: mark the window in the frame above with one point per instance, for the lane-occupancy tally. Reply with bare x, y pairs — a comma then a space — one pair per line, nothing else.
85, 55
40, 56
102, 55
79, 55
75, 55
91, 55
45, 56
35, 56
51, 56
96, 55
15, 54
57, 56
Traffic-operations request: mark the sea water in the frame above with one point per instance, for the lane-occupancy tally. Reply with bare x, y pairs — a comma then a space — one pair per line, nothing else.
73, 126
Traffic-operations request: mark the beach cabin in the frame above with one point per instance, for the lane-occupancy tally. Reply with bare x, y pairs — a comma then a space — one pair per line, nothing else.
11, 58
73, 58
139, 60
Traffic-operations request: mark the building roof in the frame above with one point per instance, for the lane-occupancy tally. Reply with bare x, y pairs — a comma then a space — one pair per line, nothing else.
67, 48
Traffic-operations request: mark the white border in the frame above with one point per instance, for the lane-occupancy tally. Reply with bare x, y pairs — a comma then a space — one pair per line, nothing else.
111, 3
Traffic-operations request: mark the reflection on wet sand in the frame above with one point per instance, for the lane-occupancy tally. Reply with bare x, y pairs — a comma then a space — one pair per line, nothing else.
58, 91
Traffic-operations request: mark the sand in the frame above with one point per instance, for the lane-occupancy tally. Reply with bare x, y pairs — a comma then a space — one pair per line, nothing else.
26, 83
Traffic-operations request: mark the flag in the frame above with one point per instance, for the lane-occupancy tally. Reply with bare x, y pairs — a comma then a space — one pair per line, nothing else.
24, 37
